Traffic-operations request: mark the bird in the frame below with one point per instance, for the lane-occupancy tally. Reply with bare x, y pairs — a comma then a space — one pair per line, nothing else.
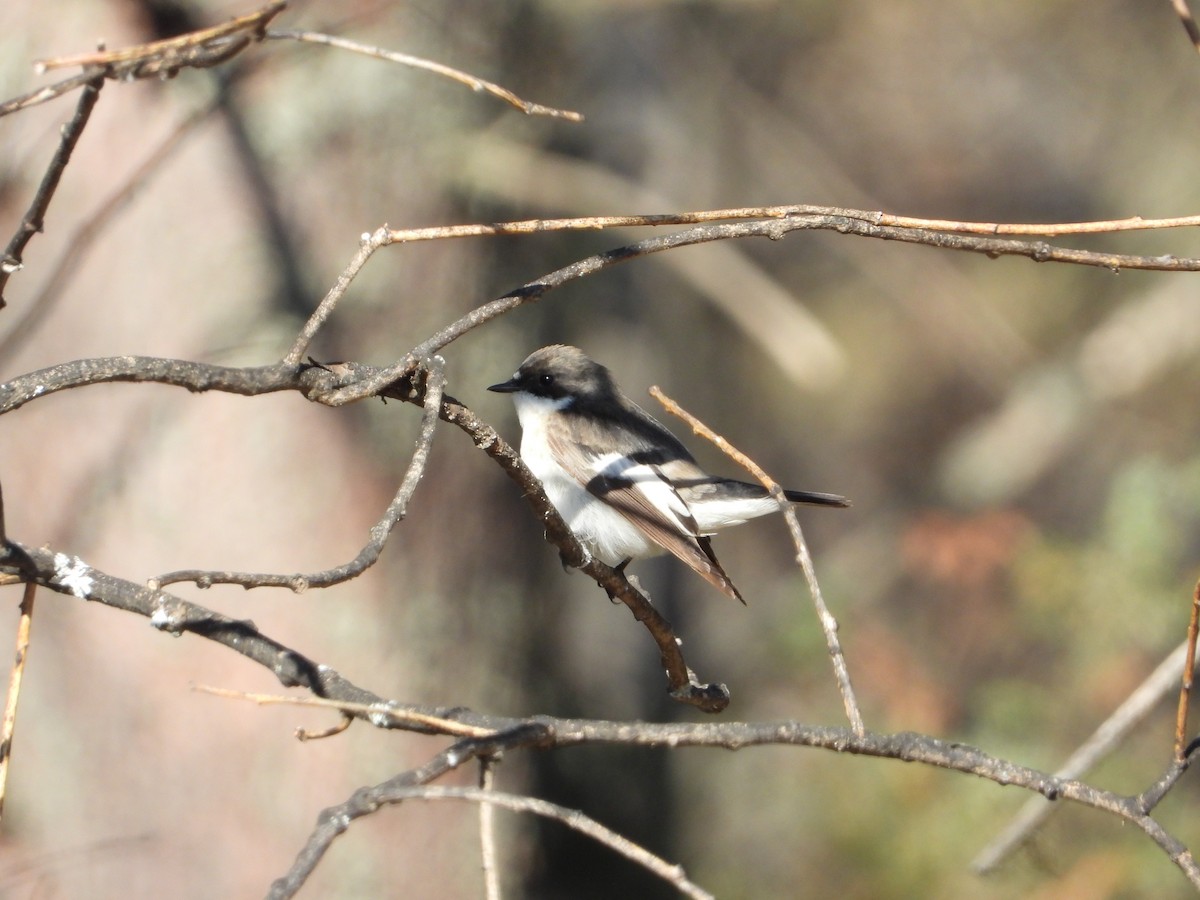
626, 486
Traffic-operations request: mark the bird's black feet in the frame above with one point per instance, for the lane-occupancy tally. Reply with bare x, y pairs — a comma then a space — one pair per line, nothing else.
620, 567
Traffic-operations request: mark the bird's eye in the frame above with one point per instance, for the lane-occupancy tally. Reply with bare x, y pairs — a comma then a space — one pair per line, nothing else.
546, 380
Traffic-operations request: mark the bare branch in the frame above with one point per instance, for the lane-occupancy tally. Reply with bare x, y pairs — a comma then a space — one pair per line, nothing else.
533, 290
367, 381
1189, 23
335, 820
734, 736
380, 714
572, 818
829, 624
197, 49
51, 91
195, 376
1124, 719
434, 382
14, 688
1148, 799
911, 747
775, 229
212, 46
874, 217
69, 575
1189, 671
416, 62
368, 244
487, 829
772, 222
35, 218
90, 229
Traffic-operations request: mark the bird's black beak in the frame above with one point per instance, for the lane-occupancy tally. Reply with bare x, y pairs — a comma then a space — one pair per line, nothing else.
506, 387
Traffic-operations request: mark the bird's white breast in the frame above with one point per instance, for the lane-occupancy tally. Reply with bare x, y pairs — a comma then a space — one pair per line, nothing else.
606, 533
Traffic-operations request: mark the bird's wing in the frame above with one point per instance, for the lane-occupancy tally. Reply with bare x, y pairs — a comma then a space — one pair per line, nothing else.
636, 488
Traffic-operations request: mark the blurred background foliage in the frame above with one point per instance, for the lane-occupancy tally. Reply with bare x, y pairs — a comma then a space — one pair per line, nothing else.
1019, 440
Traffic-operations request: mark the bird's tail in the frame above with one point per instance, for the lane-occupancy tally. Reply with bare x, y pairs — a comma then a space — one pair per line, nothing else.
815, 498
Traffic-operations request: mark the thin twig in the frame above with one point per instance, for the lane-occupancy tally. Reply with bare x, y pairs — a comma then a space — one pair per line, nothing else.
14, 687
473, 82
873, 217
572, 818
907, 747
434, 382
1189, 670
1111, 732
335, 820
35, 218
376, 713
90, 229
50, 91
487, 830
344, 722
772, 228
828, 623
1189, 23
368, 244
212, 46
197, 49
771, 222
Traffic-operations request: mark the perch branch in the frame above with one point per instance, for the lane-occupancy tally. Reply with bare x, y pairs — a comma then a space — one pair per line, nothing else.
682, 682
318, 384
